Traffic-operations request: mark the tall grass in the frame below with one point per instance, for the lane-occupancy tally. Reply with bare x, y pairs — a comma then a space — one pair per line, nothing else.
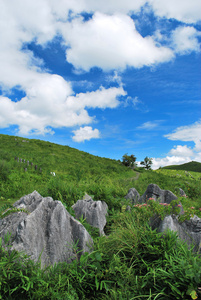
131, 262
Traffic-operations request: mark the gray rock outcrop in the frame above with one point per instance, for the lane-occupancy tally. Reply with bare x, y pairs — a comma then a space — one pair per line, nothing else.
47, 228
182, 193
153, 191
133, 196
188, 231
93, 211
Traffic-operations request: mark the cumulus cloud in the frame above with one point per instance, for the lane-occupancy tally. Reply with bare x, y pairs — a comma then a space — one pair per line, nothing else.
187, 11
169, 160
182, 154
85, 133
49, 102
181, 151
106, 41
183, 10
110, 42
184, 40
43, 106
21, 22
189, 133
102, 98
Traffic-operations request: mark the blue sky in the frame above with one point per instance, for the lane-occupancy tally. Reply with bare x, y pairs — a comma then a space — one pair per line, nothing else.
105, 77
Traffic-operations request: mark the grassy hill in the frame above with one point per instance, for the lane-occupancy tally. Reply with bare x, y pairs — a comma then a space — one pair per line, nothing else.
132, 261
76, 172
191, 166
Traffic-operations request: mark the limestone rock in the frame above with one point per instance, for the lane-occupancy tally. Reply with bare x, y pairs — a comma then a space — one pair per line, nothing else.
93, 211
189, 230
153, 191
182, 193
133, 196
48, 228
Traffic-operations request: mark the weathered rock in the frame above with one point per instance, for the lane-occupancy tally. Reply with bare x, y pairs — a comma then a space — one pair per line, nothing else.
133, 196
182, 193
93, 211
153, 191
189, 230
48, 229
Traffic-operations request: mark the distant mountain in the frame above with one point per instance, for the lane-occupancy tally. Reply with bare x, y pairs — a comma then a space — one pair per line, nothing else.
193, 166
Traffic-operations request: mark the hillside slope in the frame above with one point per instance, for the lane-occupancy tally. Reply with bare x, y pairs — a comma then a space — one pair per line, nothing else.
26, 165
191, 166
77, 173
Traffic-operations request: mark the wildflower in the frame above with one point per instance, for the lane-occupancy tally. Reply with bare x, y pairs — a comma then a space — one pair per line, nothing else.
151, 198
179, 205
144, 204
200, 209
192, 207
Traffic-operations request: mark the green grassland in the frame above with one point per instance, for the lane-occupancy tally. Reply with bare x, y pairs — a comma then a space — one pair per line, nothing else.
191, 166
76, 172
132, 261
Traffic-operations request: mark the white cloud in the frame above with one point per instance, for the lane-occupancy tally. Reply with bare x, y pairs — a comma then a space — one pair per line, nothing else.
102, 98
85, 133
169, 160
49, 103
182, 151
132, 101
112, 6
149, 125
183, 10
182, 154
110, 42
187, 134
107, 41
188, 11
115, 78
104, 6
184, 40
197, 157
22, 22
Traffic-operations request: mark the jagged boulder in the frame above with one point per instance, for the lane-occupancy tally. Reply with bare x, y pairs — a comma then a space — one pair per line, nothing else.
46, 228
153, 191
133, 196
182, 193
189, 230
93, 211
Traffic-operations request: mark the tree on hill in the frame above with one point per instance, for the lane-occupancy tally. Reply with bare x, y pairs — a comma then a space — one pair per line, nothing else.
147, 162
129, 160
